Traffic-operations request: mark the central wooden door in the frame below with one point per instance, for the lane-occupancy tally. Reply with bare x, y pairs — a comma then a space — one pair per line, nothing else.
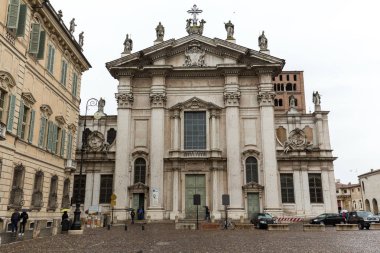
253, 204
195, 184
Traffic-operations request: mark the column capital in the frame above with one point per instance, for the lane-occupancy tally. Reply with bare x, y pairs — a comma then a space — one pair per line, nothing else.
176, 113
124, 100
158, 100
232, 98
214, 114
266, 98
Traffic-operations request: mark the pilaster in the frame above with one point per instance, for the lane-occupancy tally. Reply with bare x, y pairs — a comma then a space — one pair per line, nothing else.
175, 192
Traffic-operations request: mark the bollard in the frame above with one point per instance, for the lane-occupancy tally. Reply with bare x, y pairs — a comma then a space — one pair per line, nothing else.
126, 227
142, 227
109, 226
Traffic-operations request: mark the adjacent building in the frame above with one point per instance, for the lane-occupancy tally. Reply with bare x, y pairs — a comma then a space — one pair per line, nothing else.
41, 65
370, 184
207, 116
349, 197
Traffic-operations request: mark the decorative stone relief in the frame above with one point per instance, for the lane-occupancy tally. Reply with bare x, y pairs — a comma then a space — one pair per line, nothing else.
158, 100
6, 81
232, 98
72, 127
297, 140
266, 98
46, 110
195, 56
124, 100
28, 98
60, 119
96, 141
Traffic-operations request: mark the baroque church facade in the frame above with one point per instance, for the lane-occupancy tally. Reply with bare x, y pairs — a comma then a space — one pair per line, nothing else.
207, 116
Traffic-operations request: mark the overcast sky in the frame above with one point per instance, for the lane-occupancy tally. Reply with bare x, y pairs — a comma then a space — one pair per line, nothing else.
336, 44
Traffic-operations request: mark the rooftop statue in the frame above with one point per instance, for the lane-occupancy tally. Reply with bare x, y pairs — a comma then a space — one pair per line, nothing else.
160, 32
81, 37
230, 30
72, 25
316, 98
128, 45
263, 42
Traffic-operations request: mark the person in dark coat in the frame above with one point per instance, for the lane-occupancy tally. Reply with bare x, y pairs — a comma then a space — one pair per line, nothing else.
15, 218
133, 217
65, 216
207, 217
23, 220
140, 213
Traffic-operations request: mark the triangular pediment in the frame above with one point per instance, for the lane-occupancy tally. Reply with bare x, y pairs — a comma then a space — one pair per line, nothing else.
28, 98
195, 103
176, 52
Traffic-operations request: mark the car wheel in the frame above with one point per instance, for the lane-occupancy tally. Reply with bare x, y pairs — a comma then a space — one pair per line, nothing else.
367, 227
361, 226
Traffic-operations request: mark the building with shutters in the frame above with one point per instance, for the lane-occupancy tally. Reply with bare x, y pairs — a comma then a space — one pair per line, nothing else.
207, 116
41, 65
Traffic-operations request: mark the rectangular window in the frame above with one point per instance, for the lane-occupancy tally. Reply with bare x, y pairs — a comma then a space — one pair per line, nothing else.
315, 188
287, 188
195, 130
105, 189
50, 63
295, 77
13, 14
76, 188
63, 72
287, 78
74, 85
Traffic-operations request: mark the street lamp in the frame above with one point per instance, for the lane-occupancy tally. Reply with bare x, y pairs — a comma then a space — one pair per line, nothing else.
97, 115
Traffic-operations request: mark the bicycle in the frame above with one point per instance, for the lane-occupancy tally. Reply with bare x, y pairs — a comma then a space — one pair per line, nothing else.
229, 224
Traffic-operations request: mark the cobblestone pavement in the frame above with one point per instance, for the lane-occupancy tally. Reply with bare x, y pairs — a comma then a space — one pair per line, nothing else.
164, 238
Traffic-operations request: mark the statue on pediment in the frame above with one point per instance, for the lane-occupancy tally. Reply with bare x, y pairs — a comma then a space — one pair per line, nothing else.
128, 45
230, 30
160, 32
72, 26
81, 38
263, 42
316, 98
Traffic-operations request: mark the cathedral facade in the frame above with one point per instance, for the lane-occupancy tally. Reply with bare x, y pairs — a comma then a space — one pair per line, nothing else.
207, 116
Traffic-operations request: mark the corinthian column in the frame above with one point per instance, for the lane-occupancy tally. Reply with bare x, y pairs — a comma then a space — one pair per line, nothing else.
122, 162
234, 175
158, 102
265, 98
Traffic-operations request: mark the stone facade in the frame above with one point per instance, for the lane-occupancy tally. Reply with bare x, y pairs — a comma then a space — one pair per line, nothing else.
40, 71
349, 196
370, 183
198, 116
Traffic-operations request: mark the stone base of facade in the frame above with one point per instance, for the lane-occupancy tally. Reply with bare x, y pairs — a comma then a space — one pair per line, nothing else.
76, 232
275, 212
236, 213
154, 214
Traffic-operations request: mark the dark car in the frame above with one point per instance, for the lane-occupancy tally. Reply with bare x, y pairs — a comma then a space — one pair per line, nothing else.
328, 219
261, 220
364, 219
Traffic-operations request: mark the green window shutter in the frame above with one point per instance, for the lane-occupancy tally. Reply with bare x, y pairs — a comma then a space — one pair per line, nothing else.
42, 132
20, 118
63, 142
34, 38
21, 21
49, 136
69, 143
63, 72
11, 113
49, 58
54, 139
31, 126
41, 45
13, 11
52, 60
75, 85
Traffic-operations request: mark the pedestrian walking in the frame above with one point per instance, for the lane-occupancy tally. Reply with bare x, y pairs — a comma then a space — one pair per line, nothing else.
15, 218
23, 220
207, 216
133, 216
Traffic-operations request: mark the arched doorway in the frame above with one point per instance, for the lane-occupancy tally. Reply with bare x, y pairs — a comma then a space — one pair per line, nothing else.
375, 207
367, 205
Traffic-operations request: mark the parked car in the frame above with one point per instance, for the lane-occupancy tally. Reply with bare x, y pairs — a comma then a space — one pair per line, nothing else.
328, 219
261, 220
364, 219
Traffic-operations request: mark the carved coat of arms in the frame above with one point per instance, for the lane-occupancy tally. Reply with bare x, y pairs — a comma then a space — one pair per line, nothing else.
297, 141
195, 56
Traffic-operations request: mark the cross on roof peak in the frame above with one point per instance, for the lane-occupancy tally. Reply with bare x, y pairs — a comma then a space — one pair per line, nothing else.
194, 11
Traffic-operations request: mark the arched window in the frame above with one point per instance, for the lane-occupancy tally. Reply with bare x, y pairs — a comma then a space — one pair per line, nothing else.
367, 205
252, 174
37, 196
111, 135
17, 194
66, 194
140, 169
53, 200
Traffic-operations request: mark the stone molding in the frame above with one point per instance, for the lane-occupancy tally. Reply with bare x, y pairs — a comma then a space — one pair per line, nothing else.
158, 100
253, 186
6, 81
72, 127
28, 98
266, 98
124, 100
60, 119
46, 110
